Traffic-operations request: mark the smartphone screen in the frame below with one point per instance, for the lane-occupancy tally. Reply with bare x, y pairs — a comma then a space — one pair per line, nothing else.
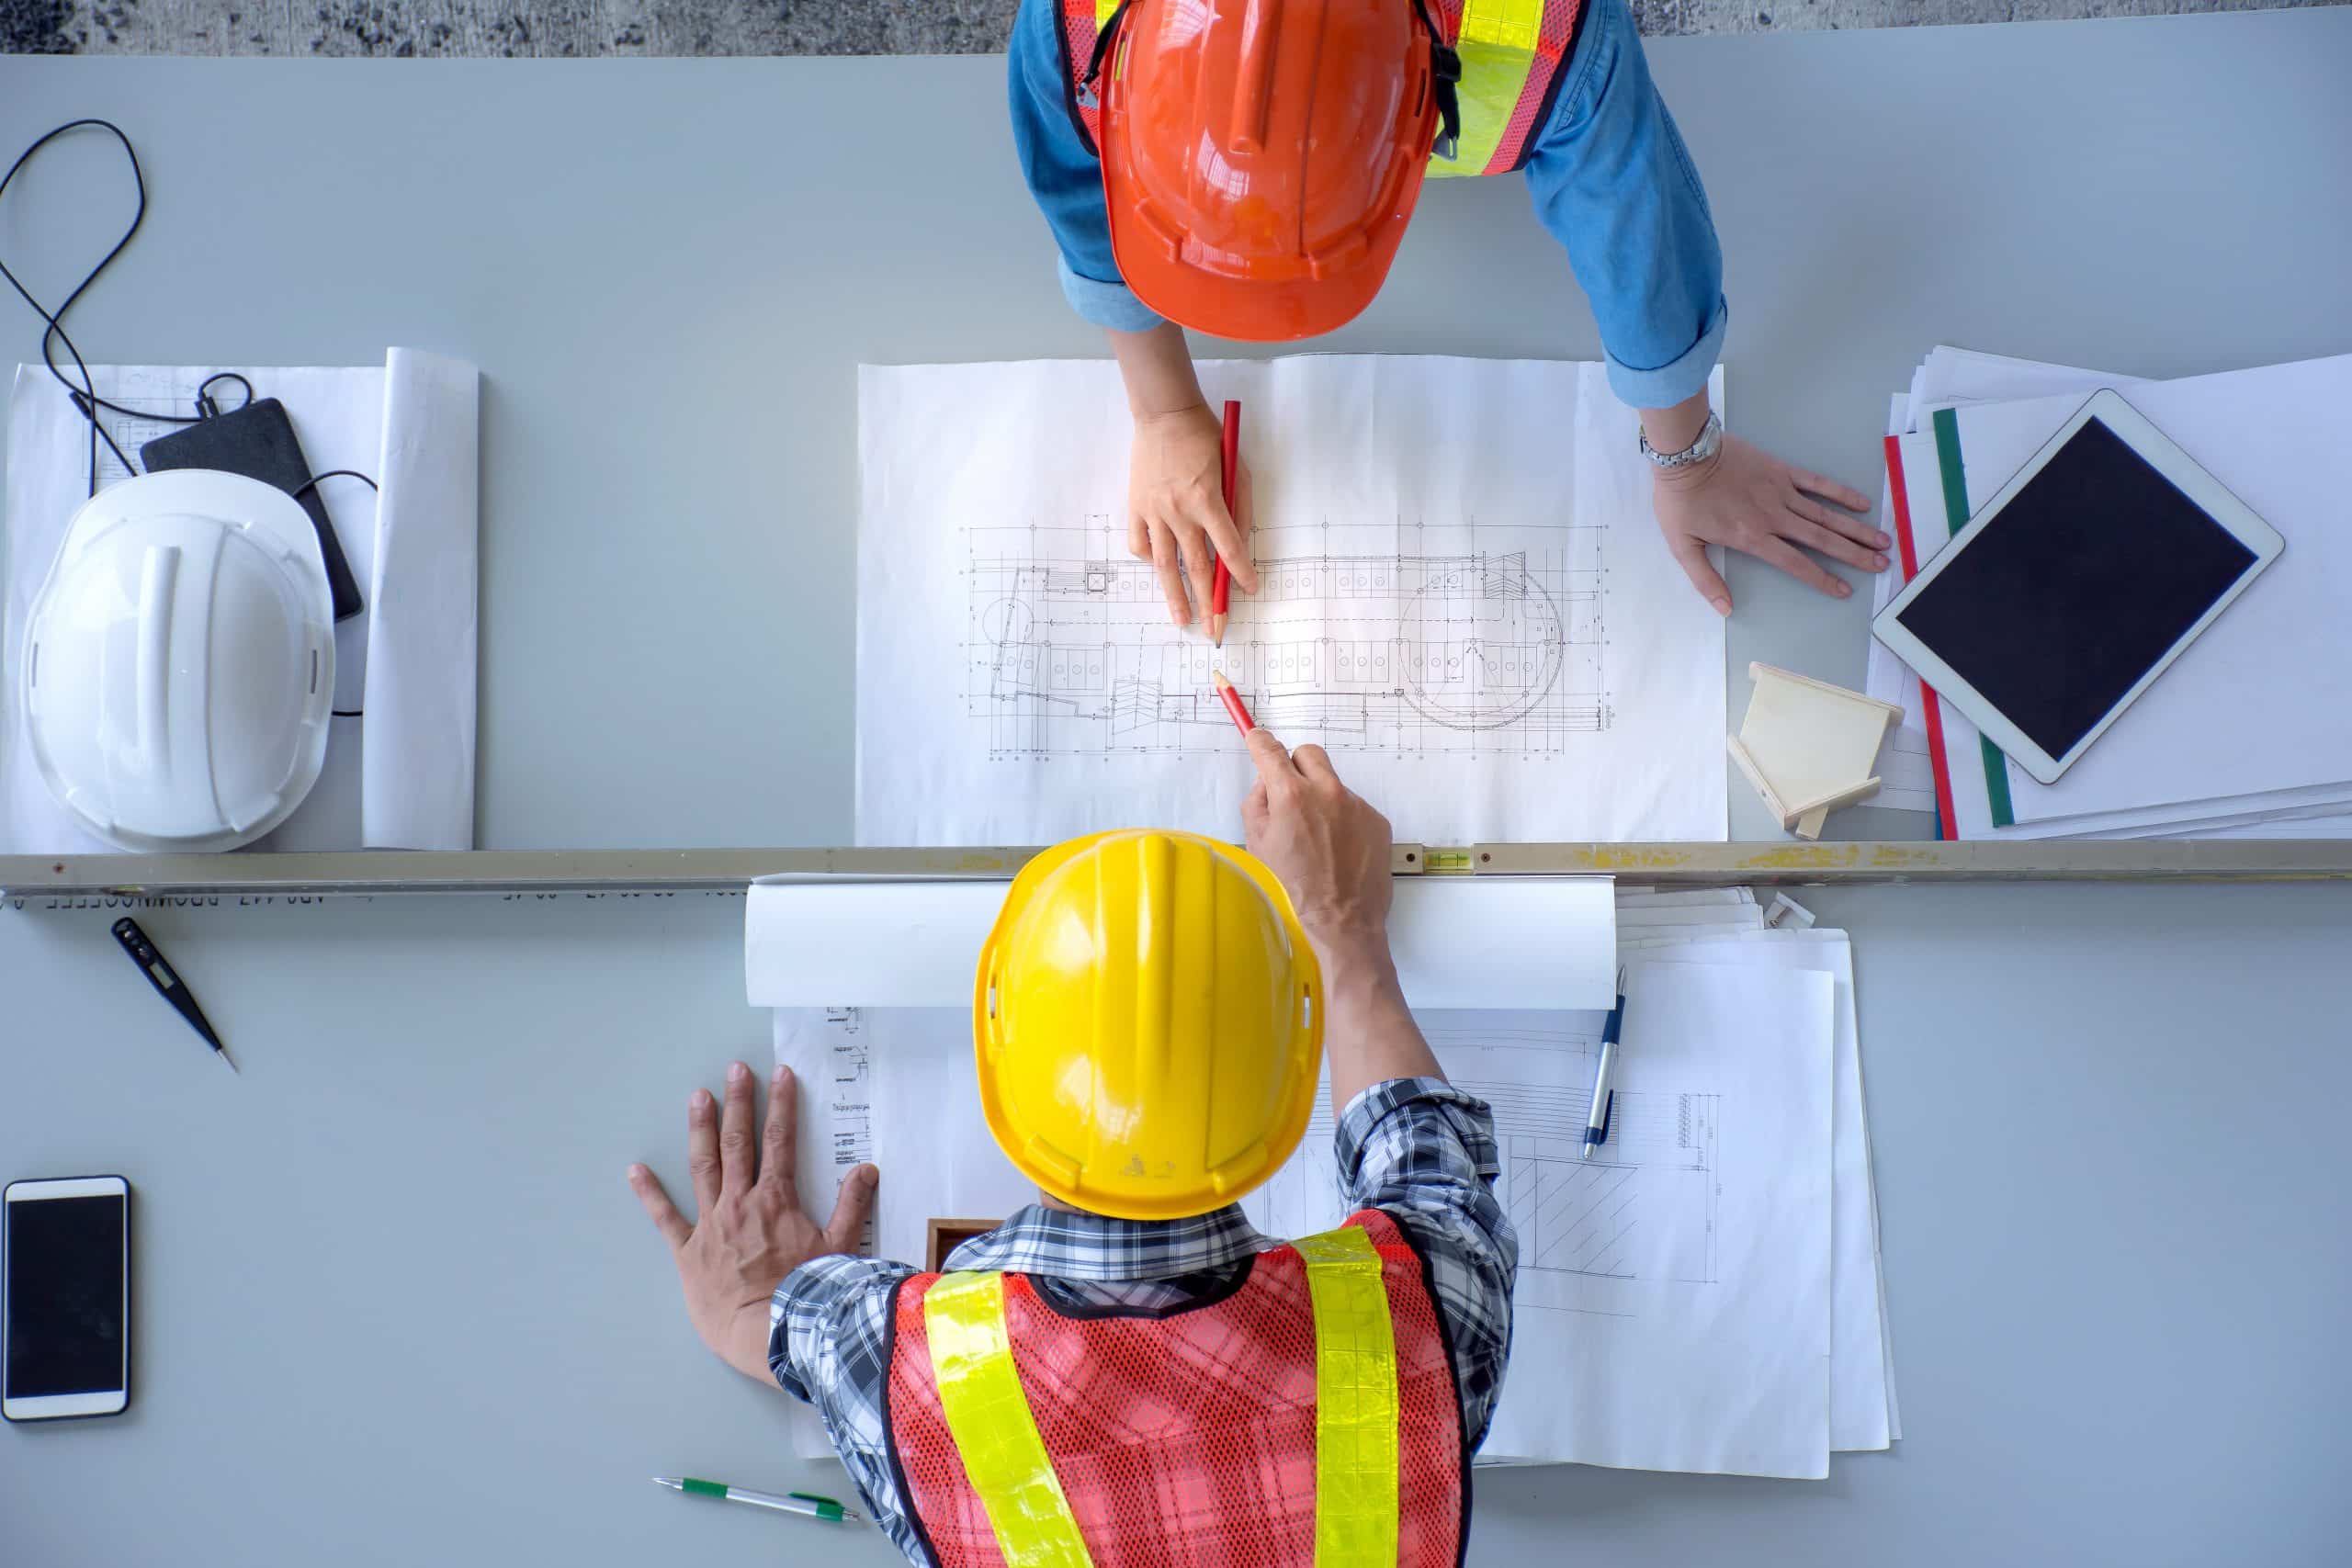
67, 1278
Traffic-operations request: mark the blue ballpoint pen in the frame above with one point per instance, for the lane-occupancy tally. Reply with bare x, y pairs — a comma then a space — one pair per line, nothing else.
1604, 1099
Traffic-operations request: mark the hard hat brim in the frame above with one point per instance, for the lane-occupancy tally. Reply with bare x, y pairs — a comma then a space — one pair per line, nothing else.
1246, 310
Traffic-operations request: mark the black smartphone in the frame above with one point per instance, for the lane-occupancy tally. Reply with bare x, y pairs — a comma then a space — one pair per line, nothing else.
258, 442
66, 1316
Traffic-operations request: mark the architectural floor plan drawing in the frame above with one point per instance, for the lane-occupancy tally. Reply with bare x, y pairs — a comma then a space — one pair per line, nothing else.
1647, 1193
1463, 595
1406, 638
1646, 1206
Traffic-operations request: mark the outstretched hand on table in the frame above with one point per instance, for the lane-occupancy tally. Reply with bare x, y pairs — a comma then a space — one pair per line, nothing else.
1754, 503
749, 1230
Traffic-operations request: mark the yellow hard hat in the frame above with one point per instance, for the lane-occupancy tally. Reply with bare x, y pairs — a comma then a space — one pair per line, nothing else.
1148, 1022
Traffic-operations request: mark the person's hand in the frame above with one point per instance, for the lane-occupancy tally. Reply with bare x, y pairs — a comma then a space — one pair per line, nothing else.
1326, 843
1176, 506
1751, 501
751, 1230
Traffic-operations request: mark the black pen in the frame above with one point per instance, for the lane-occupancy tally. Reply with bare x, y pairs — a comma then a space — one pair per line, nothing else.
166, 981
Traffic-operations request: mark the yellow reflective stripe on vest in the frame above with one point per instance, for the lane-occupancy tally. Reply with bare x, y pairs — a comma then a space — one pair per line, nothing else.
996, 1436
1355, 1402
1498, 49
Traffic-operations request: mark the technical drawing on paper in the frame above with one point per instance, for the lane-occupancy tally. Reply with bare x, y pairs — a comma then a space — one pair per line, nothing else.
1408, 639
1645, 1208
1645, 1202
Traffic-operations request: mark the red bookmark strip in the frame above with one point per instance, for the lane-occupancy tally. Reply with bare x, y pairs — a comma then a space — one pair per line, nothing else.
1929, 707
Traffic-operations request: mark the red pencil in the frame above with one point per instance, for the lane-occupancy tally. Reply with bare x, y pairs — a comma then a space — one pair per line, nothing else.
1232, 700
1222, 591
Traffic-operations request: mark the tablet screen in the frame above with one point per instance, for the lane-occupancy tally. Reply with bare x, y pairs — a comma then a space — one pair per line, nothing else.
2077, 588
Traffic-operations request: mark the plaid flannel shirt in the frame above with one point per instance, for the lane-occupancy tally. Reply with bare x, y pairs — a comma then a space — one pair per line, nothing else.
1417, 1148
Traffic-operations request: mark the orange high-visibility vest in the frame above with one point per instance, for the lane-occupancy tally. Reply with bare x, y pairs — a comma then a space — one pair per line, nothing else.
1307, 1417
1513, 56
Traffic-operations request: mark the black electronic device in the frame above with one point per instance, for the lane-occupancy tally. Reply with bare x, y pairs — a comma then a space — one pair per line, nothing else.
2076, 585
65, 1299
258, 442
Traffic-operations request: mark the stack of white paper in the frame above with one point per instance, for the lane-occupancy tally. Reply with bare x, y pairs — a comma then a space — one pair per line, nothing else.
2249, 735
1704, 1294
399, 763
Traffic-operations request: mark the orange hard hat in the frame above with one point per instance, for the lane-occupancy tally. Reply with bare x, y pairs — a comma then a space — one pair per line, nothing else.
1261, 157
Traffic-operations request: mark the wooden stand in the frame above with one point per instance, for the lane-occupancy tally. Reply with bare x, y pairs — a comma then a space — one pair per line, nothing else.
1808, 746
946, 1236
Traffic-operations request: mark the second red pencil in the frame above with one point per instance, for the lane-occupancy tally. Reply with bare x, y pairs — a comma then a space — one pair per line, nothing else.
1221, 590
1232, 700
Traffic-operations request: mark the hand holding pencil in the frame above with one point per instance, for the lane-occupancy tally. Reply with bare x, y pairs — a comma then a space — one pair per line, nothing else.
1176, 519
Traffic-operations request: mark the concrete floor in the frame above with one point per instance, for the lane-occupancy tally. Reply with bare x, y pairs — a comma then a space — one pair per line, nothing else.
406, 27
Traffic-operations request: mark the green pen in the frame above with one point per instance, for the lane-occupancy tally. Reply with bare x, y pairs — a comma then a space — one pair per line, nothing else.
807, 1503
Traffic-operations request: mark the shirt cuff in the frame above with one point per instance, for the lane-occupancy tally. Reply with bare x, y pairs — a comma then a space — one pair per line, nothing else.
1109, 305
1373, 1106
799, 1305
1678, 381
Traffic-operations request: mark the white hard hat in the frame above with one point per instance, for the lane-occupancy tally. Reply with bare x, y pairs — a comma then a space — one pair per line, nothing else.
179, 664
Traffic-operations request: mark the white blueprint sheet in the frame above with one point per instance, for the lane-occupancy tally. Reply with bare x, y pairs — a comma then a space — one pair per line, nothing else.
1463, 596
1673, 1305
1861, 1361
830, 1053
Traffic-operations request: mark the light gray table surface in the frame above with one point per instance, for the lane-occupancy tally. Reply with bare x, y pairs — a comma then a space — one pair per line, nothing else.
394, 1302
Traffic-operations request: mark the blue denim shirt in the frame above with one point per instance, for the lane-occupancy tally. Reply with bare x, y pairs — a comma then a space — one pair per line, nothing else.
1609, 177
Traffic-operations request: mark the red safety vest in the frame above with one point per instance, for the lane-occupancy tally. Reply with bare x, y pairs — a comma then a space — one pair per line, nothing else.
1512, 52
1232, 1432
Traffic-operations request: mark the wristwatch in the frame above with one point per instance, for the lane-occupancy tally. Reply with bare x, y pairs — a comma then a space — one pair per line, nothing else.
1710, 442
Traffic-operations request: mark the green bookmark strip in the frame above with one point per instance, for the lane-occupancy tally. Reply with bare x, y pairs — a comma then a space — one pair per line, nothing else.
1955, 483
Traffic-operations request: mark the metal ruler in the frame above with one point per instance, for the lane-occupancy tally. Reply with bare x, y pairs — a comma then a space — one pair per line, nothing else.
39, 882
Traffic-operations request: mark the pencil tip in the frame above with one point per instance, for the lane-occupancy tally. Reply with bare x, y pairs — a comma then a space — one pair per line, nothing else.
233, 1066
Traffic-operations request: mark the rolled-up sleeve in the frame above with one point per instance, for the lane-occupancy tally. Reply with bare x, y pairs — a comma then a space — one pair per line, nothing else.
1424, 1153
1065, 178
1614, 183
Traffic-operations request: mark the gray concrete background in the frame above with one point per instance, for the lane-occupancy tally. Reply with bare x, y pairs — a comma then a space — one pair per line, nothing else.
575, 27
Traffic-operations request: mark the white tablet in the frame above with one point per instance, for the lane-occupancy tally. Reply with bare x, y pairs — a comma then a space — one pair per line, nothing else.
2074, 587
